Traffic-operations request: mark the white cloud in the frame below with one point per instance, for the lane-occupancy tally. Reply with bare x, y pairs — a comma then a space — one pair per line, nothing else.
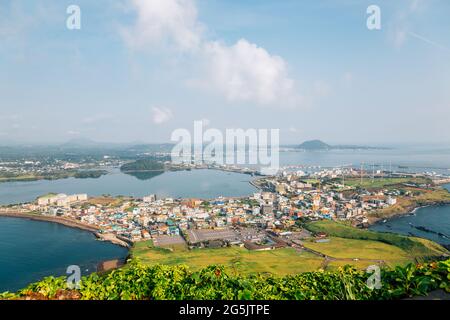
402, 23
243, 72
246, 72
173, 22
161, 115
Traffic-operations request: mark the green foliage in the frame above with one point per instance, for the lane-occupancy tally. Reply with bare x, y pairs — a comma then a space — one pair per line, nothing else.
47, 287
160, 282
149, 164
8, 296
341, 230
414, 280
90, 174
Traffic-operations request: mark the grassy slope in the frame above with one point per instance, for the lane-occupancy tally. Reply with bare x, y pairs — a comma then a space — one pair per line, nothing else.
382, 183
413, 247
361, 249
281, 262
346, 243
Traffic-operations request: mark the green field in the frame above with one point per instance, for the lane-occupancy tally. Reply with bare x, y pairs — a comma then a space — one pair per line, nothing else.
360, 249
415, 248
382, 183
351, 248
240, 260
347, 246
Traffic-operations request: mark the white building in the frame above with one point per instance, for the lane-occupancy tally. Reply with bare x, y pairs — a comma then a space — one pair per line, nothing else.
61, 199
391, 201
150, 198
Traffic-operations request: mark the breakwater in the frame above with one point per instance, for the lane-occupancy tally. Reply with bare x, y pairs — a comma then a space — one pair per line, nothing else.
61, 220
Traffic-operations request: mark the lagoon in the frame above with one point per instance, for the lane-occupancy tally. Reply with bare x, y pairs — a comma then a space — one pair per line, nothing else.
204, 184
31, 250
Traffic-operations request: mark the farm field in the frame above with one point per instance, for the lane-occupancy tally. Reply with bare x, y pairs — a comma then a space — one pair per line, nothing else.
346, 246
360, 249
280, 262
381, 183
414, 248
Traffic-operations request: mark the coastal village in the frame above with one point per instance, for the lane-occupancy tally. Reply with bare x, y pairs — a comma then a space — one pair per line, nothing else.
268, 219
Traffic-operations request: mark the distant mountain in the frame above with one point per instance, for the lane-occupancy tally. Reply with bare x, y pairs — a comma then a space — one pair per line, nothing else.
131, 147
314, 145
80, 142
320, 145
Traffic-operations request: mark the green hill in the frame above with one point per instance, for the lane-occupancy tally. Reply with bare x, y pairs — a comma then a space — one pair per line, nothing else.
314, 145
141, 165
417, 249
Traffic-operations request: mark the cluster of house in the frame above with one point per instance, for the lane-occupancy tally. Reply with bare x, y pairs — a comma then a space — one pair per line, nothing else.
290, 198
51, 165
322, 201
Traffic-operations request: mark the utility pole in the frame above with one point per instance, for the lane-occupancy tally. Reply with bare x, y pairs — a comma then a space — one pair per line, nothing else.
373, 172
390, 169
362, 164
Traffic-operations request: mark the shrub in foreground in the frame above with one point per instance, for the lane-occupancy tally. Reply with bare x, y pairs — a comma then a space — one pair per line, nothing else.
160, 282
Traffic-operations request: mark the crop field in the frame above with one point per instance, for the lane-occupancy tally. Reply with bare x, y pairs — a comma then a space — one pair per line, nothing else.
278, 262
415, 248
281, 261
347, 246
360, 249
382, 183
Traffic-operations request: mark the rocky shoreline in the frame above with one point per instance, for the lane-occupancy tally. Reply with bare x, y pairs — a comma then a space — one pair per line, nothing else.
408, 210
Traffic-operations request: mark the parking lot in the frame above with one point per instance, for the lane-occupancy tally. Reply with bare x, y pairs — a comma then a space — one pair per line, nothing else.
164, 240
196, 236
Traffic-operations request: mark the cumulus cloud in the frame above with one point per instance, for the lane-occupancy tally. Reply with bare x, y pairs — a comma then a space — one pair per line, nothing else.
242, 72
161, 115
246, 72
173, 22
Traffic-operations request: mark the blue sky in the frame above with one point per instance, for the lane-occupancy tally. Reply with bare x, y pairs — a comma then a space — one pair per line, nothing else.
137, 70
